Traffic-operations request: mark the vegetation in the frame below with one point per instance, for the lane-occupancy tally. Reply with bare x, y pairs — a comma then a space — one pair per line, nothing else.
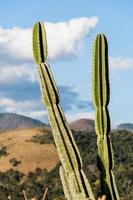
14, 162
3, 151
14, 182
43, 138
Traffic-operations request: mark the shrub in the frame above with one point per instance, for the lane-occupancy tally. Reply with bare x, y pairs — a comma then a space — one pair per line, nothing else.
14, 162
3, 151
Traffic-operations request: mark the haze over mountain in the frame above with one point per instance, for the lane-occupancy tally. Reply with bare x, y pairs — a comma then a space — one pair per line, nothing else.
10, 121
127, 126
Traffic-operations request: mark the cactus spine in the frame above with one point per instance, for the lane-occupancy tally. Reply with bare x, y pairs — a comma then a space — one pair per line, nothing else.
102, 120
75, 183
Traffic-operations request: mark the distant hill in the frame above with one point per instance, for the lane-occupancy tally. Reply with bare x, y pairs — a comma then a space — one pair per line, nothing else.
83, 125
126, 126
10, 121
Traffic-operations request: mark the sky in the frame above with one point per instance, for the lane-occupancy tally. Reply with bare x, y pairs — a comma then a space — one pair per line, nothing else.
71, 27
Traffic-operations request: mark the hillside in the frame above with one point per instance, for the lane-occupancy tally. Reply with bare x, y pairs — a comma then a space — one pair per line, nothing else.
83, 125
10, 121
29, 160
18, 145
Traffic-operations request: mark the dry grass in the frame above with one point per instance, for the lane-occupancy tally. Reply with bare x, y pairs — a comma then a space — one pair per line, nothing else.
31, 155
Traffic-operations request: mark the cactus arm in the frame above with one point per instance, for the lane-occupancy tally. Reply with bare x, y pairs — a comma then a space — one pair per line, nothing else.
66, 146
102, 120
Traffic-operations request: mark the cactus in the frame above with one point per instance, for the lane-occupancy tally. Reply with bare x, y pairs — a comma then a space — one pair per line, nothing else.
39, 43
102, 120
74, 181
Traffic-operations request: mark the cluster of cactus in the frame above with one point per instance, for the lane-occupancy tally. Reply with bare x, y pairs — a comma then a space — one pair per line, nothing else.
75, 184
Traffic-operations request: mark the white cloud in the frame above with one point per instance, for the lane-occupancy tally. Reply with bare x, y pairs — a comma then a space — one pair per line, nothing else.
42, 115
15, 43
39, 114
84, 115
31, 108
64, 38
27, 107
6, 102
11, 73
11, 105
119, 62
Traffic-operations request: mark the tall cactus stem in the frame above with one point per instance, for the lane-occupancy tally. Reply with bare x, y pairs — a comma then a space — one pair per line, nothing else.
75, 183
102, 120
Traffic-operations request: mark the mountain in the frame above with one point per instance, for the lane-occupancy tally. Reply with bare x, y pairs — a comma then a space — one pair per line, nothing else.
126, 126
10, 121
83, 125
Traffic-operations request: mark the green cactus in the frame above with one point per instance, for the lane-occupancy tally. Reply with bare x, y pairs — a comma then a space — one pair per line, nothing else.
39, 43
102, 120
74, 181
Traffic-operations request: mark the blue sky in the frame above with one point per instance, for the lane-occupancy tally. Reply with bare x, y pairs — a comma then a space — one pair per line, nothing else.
70, 55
